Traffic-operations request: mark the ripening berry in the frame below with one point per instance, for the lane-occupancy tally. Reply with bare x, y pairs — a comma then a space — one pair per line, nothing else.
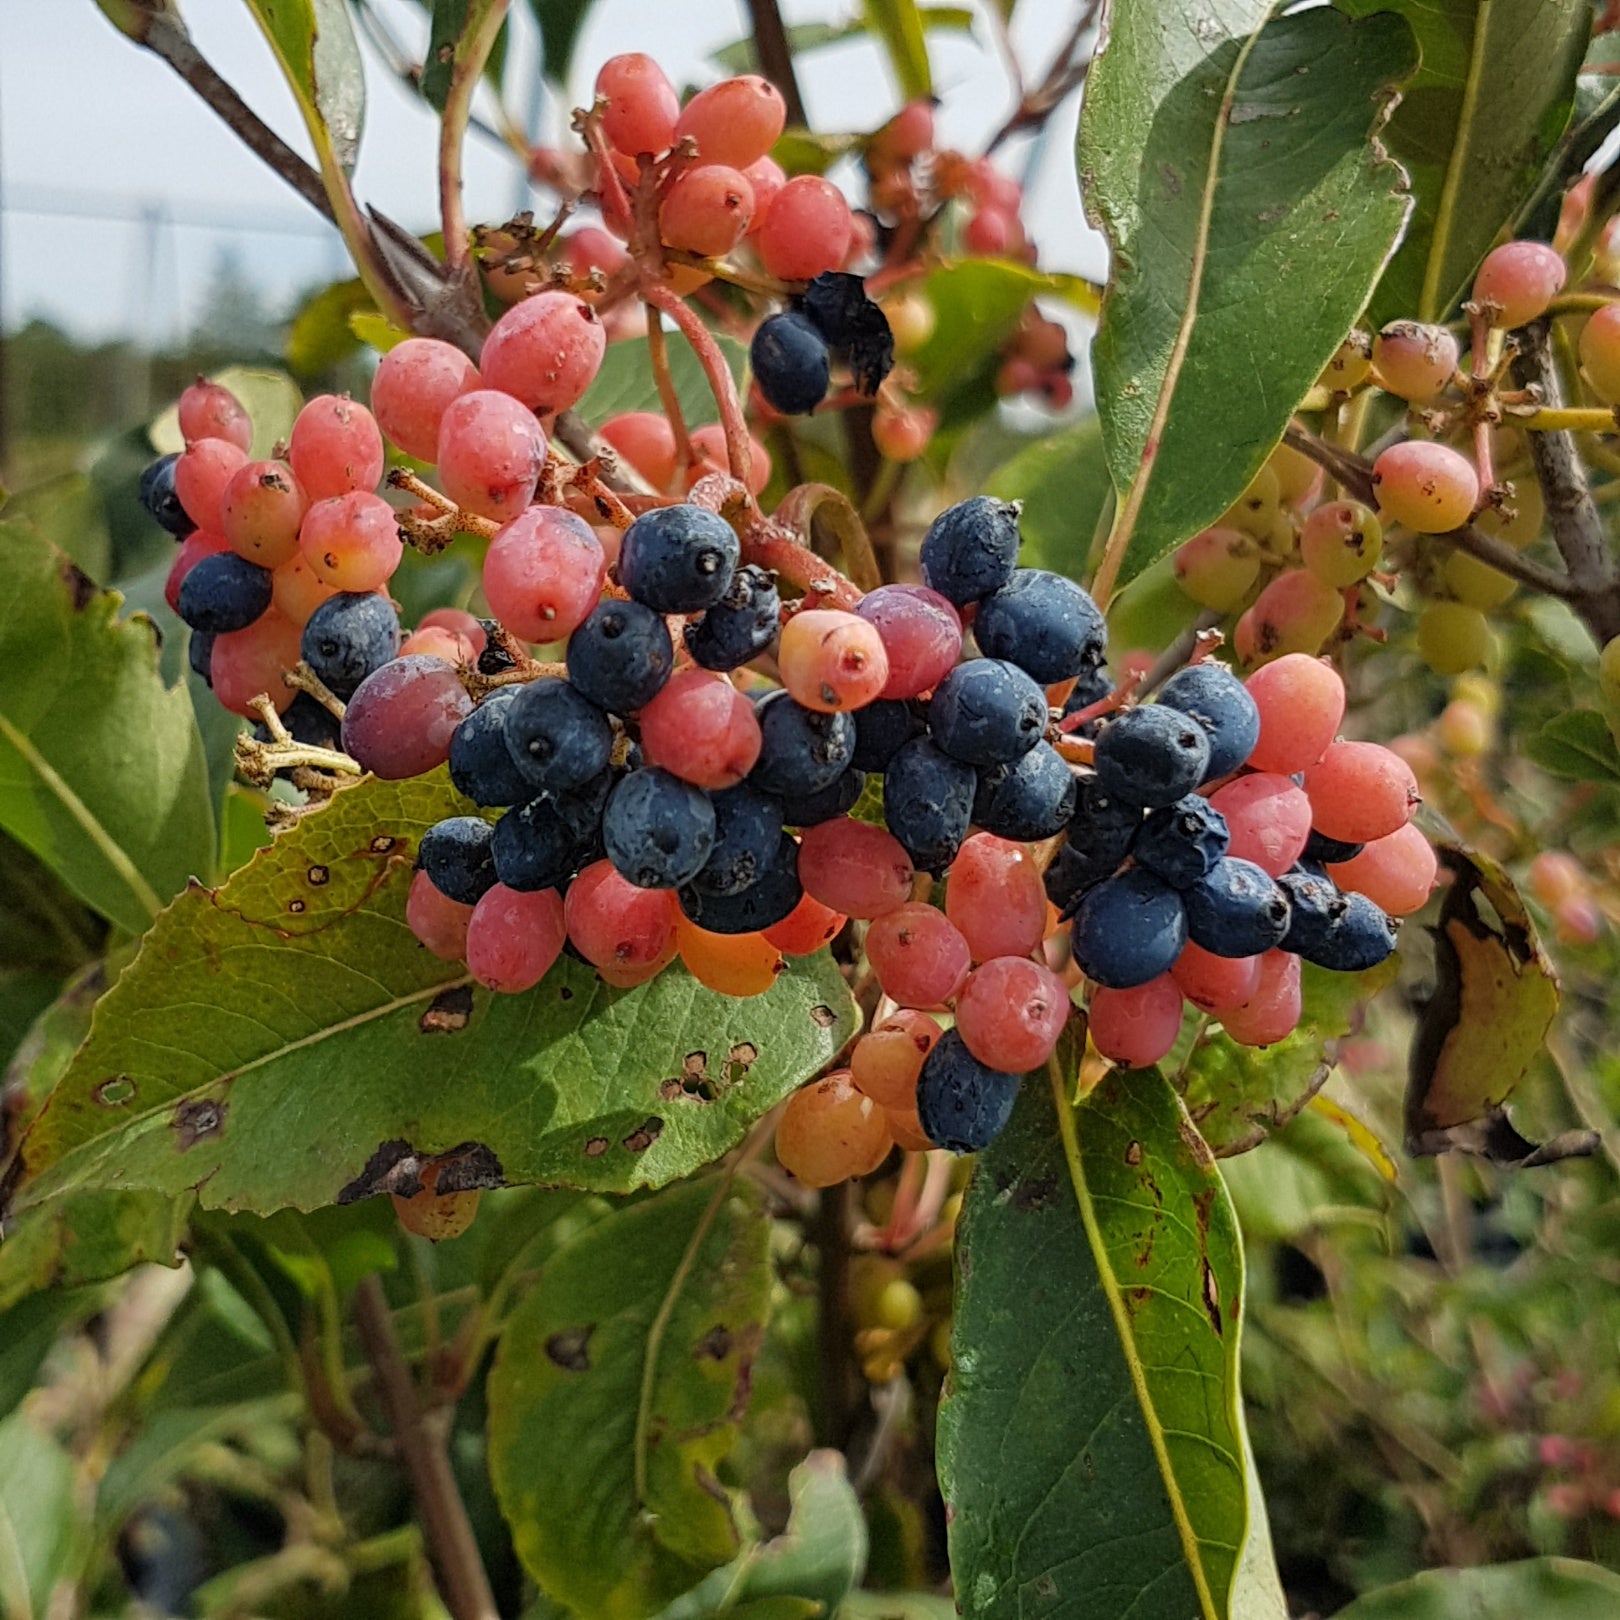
701, 729
642, 106
1272, 1012
1255, 511
545, 351
902, 435
855, 868
738, 965
415, 383
995, 896
806, 231
401, 718
491, 450
438, 922
922, 636
911, 319
1463, 730
458, 620
335, 447
1011, 1012
1477, 583
807, 928
886, 1061
1301, 705
1415, 361
709, 455
247, 662
543, 573
1360, 791
1396, 872
351, 541
992, 233
1295, 613
1600, 353
1518, 280
612, 923
1218, 568
830, 1132
646, 441
1299, 479
209, 410
1136, 1027
514, 937
200, 477
1268, 819
767, 177
906, 136
1555, 876
1453, 637
706, 211
1579, 920
297, 590
1427, 486
831, 660
918, 954
1350, 366
1341, 542
734, 122
260, 511
1215, 984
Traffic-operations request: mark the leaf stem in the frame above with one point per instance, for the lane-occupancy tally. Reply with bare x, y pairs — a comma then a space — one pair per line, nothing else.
472, 52
658, 357
422, 1448
1567, 419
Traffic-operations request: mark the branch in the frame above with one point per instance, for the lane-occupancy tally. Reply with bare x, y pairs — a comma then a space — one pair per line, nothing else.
472, 52
1572, 514
1064, 76
1355, 474
775, 56
444, 1516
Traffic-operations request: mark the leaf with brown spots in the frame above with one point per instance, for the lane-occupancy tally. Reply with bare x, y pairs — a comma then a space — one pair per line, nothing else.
616, 1395
275, 1012
1094, 1400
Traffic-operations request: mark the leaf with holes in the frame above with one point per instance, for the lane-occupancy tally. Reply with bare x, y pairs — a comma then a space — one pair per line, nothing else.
616, 1394
294, 1005
102, 773
1233, 163
1474, 129
1091, 1448
320, 57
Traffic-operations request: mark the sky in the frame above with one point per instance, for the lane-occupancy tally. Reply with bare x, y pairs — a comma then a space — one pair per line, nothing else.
120, 191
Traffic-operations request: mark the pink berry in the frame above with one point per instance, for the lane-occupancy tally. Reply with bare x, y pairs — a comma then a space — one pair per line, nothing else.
1301, 704
920, 958
336, 448
1397, 872
921, 633
1360, 791
641, 104
1011, 1012
200, 477
831, 660
701, 729
707, 210
1519, 280
854, 867
209, 410
1600, 352
1415, 361
1272, 1012
646, 441
491, 450
352, 541
543, 573
734, 122
246, 663
401, 718
1215, 984
438, 922
513, 938
1269, 819
545, 351
614, 924
996, 898
260, 511
1136, 1027
415, 383
1427, 486
806, 231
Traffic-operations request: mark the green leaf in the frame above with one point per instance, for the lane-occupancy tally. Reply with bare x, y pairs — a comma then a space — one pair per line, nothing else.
625, 380
1494, 1000
740, 56
1474, 127
27, 1332
320, 57
1063, 482
560, 22
1237, 1095
806, 151
1576, 745
1546, 1588
896, 1606
294, 1004
976, 304
820, 1556
320, 335
1234, 169
101, 766
456, 23
1091, 1438
898, 25
616, 1394
271, 398
40, 1525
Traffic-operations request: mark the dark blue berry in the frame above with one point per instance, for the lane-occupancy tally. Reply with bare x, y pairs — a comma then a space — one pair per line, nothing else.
928, 803
1213, 696
837, 302
762, 904
457, 858
678, 559
658, 830
557, 738
200, 655
481, 765
348, 637
1129, 929
1032, 798
971, 548
811, 809
987, 712
158, 497
881, 728
747, 840
1314, 905
1044, 623
621, 656
800, 750
1101, 832
1091, 686
741, 625
1328, 851
312, 723
544, 843
1236, 909
224, 592
1360, 937
791, 364
1151, 756
962, 1104
1182, 841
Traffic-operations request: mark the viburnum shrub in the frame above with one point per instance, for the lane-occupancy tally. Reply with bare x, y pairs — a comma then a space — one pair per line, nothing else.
772, 850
